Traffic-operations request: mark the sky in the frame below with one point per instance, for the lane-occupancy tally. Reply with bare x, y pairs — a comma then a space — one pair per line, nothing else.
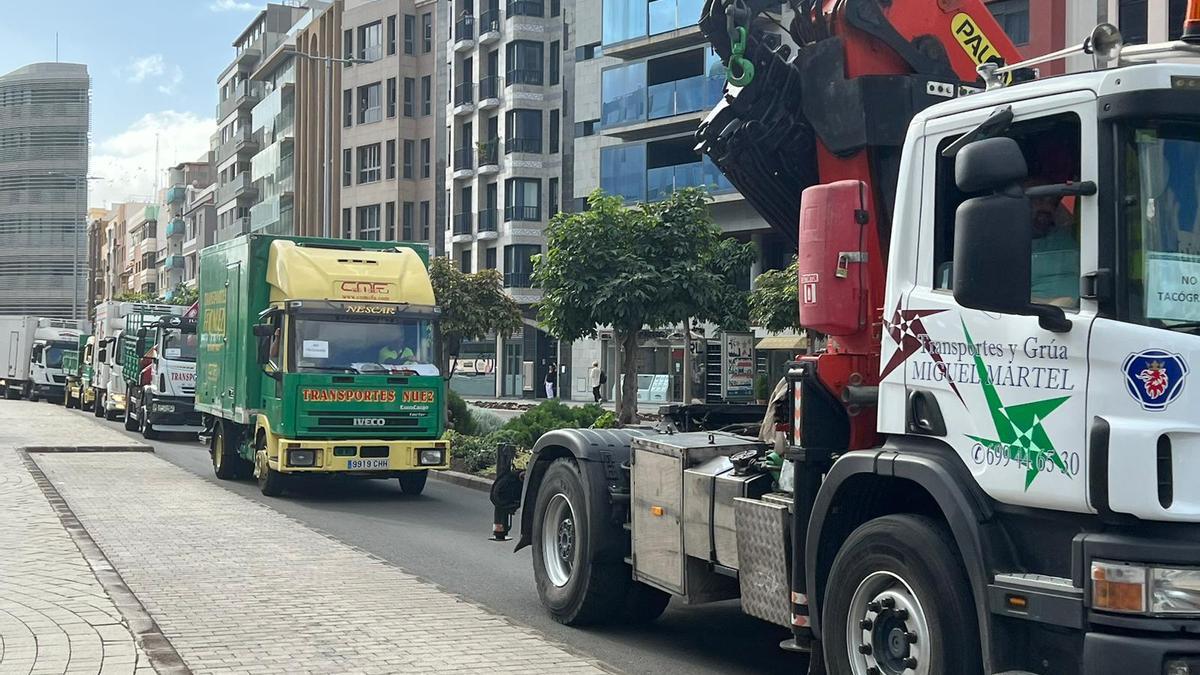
154, 67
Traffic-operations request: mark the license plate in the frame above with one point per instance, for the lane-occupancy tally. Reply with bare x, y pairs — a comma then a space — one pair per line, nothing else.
381, 463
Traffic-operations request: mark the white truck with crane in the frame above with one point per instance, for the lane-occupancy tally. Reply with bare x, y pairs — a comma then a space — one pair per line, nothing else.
992, 466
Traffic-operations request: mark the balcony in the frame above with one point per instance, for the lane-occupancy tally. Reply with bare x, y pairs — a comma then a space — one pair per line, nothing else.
518, 280
240, 186
464, 98
462, 228
241, 140
661, 182
527, 8
176, 228
174, 262
244, 95
489, 92
531, 146
176, 194
489, 26
464, 34
489, 157
679, 97
249, 57
150, 213
524, 76
463, 163
489, 224
531, 214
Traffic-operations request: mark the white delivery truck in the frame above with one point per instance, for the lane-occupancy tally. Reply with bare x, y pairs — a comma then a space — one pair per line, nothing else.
114, 319
16, 339
51, 338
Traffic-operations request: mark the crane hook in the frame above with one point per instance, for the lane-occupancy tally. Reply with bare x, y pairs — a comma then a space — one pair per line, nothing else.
739, 62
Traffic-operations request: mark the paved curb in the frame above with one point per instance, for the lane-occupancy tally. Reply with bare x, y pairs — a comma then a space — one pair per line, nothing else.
162, 655
463, 479
88, 448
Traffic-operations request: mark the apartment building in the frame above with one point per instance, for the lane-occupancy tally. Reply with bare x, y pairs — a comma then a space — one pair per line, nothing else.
176, 203
392, 126
200, 227
238, 93
44, 122
97, 252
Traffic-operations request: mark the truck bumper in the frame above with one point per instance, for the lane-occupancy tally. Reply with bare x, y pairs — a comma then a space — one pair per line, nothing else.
173, 413
1107, 654
53, 392
368, 458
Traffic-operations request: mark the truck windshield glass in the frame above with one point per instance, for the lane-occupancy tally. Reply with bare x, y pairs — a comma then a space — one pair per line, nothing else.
338, 345
53, 353
1161, 204
179, 346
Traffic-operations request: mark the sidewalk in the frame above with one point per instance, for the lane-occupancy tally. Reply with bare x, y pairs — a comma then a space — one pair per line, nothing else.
235, 586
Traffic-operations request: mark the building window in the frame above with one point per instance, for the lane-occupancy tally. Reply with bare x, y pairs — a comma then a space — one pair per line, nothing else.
1176, 12
555, 57
523, 199
518, 265
368, 222
408, 158
391, 97
524, 62
623, 94
369, 104
391, 221
524, 131
391, 35
1131, 17
426, 32
409, 85
348, 45
426, 158
347, 226
1013, 17
426, 95
585, 128
347, 167
489, 258
406, 221
348, 108
391, 158
588, 52
425, 220
554, 131
464, 261
552, 188
368, 163
410, 33
555, 7
623, 171
370, 42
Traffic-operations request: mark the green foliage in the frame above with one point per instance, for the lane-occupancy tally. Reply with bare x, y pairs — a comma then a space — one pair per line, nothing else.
651, 265
485, 421
548, 416
607, 420
475, 454
762, 388
135, 296
183, 295
461, 418
775, 300
474, 306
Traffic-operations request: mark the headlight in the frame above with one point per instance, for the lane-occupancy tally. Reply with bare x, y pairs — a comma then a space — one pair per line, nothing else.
1144, 589
430, 457
1182, 666
118, 398
301, 457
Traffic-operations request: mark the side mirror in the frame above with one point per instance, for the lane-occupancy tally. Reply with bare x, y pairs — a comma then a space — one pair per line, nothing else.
263, 330
101, 355
993, 234
264, 348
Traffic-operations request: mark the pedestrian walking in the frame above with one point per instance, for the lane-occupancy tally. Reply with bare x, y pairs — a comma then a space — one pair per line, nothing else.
594, 380
551, 379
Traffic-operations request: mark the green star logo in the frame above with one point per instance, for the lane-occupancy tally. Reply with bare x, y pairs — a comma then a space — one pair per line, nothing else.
1019, 427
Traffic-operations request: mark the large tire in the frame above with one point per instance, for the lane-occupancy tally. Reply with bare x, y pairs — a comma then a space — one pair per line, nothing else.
131, 423
575, 583
67, 400
148, 431
270, 482
413, 482
898, 587
226, 463
100, 401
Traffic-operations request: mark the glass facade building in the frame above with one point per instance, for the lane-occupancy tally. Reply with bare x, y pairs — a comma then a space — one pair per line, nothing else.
634, 19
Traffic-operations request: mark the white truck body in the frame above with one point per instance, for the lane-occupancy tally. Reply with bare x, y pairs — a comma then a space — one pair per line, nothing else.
111, 321
16, 341
51, 338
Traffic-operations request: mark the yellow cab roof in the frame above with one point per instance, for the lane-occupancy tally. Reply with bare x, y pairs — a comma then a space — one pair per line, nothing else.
311, 273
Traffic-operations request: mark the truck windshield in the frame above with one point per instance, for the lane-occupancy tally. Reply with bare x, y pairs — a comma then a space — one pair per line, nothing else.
53, 354
362, 346
179, 346
1161, 202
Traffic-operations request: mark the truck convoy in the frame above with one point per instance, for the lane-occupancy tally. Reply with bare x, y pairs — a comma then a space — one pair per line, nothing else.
156, 356
316, 358
114, 319
31, 351
991, 467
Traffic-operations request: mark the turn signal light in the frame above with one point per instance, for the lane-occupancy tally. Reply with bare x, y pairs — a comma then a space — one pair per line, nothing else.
656, 511
1118, 588
1191, 23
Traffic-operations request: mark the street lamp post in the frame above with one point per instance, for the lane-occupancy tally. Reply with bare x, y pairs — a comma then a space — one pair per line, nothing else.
80, 182
327, 165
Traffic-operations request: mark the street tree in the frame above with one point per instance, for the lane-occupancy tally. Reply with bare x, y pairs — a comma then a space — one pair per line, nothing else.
474, 306
182, 295
775, 300
648, 266
135, 296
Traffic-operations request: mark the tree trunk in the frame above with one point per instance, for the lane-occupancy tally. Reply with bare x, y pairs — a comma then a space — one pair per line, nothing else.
627, 405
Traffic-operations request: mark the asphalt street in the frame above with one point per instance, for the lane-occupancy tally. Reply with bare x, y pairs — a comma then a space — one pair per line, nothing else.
442, 536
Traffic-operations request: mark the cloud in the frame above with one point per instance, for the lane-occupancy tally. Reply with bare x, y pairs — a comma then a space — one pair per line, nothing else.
232, 5
125, 162
171, 83
146, 67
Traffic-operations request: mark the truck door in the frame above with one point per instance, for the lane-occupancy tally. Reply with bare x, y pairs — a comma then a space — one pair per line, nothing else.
234, 339
1011, 395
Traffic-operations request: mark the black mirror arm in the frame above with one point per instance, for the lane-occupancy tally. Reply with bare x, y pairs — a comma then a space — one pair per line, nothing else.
1085, 188
1051, 318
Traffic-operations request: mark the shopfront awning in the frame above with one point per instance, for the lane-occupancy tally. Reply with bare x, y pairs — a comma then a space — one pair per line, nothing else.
791, 343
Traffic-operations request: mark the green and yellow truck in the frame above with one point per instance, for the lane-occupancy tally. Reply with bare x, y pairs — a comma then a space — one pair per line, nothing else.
317, 357
77, 366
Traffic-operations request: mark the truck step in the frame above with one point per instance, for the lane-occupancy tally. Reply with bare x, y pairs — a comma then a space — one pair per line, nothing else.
1038, 582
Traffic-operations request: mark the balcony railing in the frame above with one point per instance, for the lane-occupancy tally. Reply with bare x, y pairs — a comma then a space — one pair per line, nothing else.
176, 194
462, 223
662, 181
176, 228
464, 29
489, 220
489, 87
528, 213
489, 21
174, 262
518, 280
527, 8
530, 145
489, 152
524, 76
464, 158
464, 93
683, 96
244, 94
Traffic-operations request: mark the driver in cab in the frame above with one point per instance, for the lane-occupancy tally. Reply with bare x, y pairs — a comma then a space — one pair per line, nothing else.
1055, 262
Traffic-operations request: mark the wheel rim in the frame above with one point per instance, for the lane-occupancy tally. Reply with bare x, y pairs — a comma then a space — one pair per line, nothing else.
558, 539
887, 632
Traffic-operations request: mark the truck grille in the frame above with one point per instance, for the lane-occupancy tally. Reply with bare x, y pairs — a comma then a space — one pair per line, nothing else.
59, 379
366, 423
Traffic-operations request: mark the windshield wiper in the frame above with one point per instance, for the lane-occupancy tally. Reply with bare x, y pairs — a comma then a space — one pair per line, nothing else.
331, 369
1190, 326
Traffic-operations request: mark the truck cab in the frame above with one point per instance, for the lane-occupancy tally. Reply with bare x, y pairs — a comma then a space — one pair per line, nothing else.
158, 367
47, 379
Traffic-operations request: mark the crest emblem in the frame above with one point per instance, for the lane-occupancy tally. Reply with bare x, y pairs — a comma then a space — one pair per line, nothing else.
1154, 378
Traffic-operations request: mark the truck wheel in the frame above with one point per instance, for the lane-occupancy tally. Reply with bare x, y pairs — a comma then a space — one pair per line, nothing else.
573, 587
148, 431
413, 482
270, 482
898, 601
99, 405
131, 423
111, 415
226, 463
